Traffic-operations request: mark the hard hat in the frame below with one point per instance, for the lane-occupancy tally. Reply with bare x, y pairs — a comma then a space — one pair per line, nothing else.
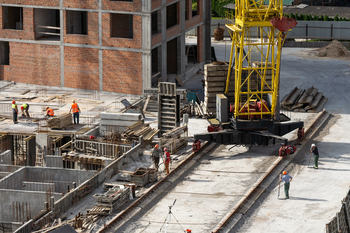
165, 149
156, 146
284, 173
73, 101
21, 107
313, 145
47, 107
13, 102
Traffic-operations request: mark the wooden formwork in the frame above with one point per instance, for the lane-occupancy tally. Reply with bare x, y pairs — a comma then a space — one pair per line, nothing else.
139, 178
152, 173
168, 107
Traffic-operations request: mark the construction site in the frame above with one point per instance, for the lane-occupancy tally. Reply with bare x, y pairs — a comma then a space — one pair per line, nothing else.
232, 121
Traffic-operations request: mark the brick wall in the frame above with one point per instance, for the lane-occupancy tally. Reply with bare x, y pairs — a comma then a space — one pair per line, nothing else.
156, 4
35, 64
156, 39
122, 72
85, 4
134, 6
91, 38
81, 68
122, 42
33, 2
26, 34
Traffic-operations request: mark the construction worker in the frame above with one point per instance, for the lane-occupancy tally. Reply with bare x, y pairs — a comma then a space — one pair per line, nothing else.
155, 156
75, 108
286, 179
166, 160
14, 112
49, 112
24, 109
314, 150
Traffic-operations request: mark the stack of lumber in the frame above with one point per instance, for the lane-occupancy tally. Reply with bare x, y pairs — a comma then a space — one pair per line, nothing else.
172, 140
60, 121
174, 145
176, 132
114, 198
215, 82
138, 129
300, 100
117, 122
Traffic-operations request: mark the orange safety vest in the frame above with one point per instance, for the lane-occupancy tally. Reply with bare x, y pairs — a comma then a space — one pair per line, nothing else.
75, 108
50, 112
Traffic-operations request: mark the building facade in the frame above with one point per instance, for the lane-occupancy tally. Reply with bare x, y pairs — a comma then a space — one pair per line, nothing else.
103, 45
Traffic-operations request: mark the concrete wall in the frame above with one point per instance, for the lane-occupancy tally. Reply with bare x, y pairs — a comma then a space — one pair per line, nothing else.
15, 204
5, 157
304, 29
65, 203
54, 161
321, 30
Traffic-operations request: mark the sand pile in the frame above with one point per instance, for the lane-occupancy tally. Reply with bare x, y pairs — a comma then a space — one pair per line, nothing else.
334, 49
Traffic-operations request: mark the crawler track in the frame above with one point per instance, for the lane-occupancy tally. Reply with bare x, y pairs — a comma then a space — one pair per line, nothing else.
260, 186
152, 193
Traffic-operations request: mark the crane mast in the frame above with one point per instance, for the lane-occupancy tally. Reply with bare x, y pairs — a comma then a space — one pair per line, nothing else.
255, 59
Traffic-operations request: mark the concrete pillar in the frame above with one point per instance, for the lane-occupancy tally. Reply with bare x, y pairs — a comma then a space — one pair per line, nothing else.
61, 44
200, 48
207, 37
164, 42
52, 203
42, 142
146, 46
100, 55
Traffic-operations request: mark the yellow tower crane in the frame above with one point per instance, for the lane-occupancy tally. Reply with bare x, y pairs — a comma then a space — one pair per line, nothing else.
255, 59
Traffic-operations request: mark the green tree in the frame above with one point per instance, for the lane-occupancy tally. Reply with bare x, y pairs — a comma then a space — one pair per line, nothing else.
292, 16
217, 9
326, 18
315, 17
336, 18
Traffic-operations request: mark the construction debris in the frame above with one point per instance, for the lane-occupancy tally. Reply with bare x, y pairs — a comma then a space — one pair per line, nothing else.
60, 121
300, 100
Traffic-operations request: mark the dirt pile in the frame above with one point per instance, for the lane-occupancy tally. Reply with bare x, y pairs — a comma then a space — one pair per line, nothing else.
334, 49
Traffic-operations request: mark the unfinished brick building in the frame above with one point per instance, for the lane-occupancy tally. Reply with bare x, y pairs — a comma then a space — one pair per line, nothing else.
104, 45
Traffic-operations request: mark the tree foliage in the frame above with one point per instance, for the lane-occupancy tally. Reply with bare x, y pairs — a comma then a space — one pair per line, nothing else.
315, 17
216, 7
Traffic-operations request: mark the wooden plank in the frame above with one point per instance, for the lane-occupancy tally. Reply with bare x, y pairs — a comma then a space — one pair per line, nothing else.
179, 81
146, 103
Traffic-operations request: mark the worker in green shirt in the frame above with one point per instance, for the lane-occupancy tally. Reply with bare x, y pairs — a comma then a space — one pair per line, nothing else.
24, 109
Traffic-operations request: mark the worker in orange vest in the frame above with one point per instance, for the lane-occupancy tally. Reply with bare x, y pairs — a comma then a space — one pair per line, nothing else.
75, 108
49, 112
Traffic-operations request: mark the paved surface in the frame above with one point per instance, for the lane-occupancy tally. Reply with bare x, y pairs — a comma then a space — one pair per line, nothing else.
315, 195
206, 194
